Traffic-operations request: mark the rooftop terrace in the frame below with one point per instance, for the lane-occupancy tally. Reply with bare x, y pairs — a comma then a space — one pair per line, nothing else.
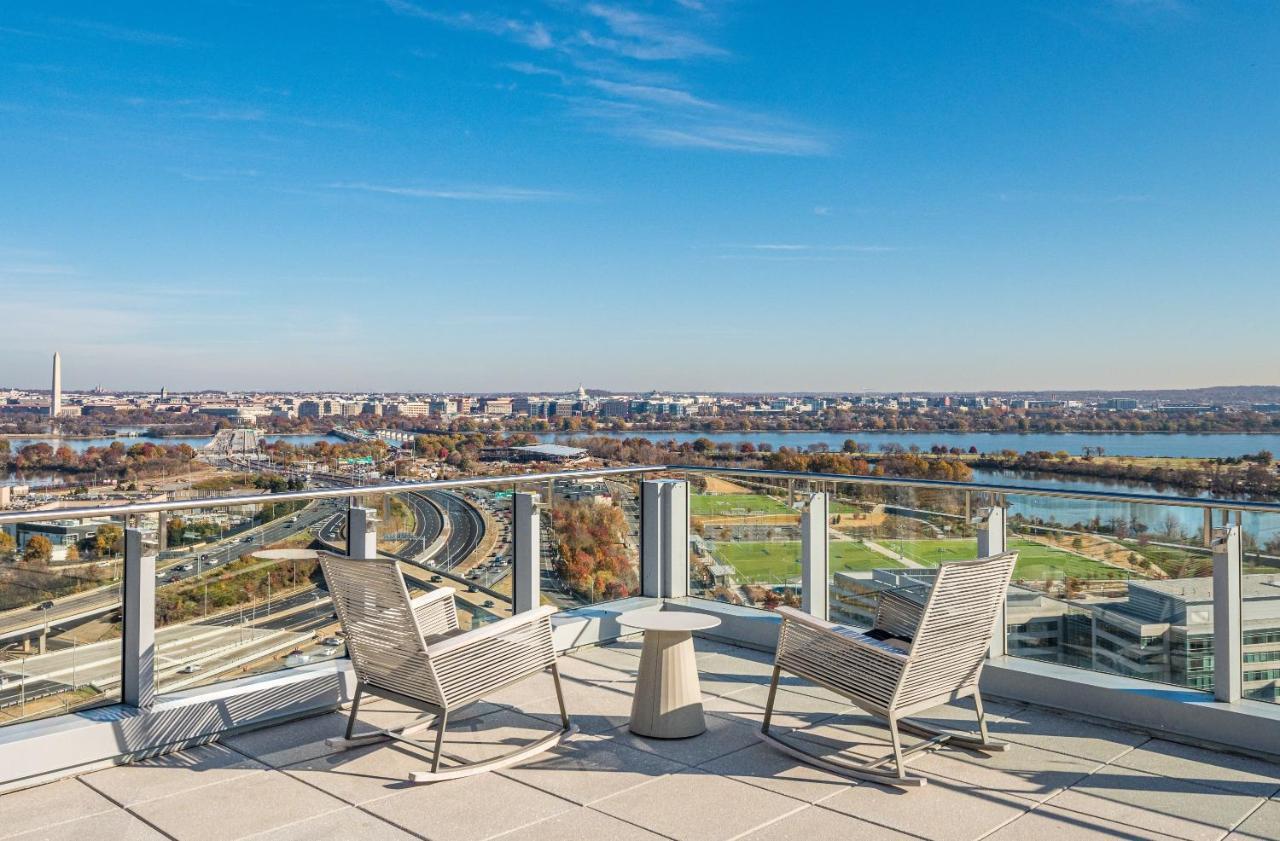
1064, 777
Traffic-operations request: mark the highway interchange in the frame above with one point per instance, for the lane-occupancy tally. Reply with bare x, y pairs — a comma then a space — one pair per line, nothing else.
190, 652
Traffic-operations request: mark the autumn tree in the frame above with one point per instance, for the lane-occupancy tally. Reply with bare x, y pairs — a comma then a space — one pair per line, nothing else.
38, 550
109, 540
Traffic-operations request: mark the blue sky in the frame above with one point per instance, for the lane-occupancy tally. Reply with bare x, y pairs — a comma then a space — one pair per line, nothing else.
681, 194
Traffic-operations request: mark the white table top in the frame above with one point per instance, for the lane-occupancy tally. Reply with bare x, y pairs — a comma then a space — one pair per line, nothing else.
668, 620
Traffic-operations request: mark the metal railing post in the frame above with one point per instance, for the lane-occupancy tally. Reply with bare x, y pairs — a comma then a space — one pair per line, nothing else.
651, 538
526, 551
994, 540
362, 533
675, 539
138, 684
814, 555
1227, 646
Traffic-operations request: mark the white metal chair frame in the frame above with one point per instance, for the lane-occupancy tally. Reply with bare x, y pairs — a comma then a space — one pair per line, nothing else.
409, 651
923, 656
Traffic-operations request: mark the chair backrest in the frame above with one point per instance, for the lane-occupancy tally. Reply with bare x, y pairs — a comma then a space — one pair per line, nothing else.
382, 634
956, 628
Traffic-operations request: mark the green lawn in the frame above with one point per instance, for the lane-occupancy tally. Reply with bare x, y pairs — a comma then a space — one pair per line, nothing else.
853, 556
765, 561
1035, 560
722, 505
932, 552
776, 561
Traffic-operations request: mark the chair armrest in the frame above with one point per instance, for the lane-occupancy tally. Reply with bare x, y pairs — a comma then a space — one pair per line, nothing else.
847, 635
791, 614
436, 612
490, 631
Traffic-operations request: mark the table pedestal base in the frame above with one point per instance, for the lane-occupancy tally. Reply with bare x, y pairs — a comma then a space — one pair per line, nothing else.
668, 699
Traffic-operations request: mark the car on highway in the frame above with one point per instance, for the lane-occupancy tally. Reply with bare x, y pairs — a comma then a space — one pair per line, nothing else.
471, 588
204, 557
186, 567
248, 539
331, 642
488, 602
293, 521
45, 605
213, 562
161, 574
190, 669
436, 579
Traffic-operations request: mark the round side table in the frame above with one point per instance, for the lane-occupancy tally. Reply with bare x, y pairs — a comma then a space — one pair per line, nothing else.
668, 700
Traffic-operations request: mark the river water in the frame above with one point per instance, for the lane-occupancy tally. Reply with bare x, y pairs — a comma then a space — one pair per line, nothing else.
1065, 511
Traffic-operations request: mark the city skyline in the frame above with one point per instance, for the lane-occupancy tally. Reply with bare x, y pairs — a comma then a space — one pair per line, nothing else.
56, 391
510, 197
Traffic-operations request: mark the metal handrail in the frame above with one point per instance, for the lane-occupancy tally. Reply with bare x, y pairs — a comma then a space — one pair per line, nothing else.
324, 493
985, 487
1250, 506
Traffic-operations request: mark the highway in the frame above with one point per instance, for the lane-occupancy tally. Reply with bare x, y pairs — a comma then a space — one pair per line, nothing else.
98, 664
466, 528
26, 621
200, 650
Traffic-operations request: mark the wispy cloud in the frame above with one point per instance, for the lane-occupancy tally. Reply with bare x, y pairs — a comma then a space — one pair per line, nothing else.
132, 36
531, 33
613, 68
528, 69
644, 37
715, 128
480, 193
651, 93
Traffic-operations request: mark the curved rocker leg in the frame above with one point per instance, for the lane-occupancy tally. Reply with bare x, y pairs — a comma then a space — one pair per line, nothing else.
871, 771
544, 744
982, 743
398, 734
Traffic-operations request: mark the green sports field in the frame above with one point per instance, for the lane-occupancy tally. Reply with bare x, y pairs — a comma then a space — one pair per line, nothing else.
723, 505
764, 561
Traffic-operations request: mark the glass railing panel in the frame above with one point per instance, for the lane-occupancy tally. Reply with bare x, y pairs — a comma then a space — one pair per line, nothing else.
453, 538
744, 534
60, 624
1260, 607
478, 548
1116, 587
892, 538
591, 540
229, 603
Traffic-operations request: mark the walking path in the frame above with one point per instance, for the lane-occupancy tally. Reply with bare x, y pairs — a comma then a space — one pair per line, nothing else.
889, 553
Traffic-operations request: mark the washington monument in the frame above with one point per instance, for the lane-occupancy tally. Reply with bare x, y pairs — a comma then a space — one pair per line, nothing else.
55, 394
